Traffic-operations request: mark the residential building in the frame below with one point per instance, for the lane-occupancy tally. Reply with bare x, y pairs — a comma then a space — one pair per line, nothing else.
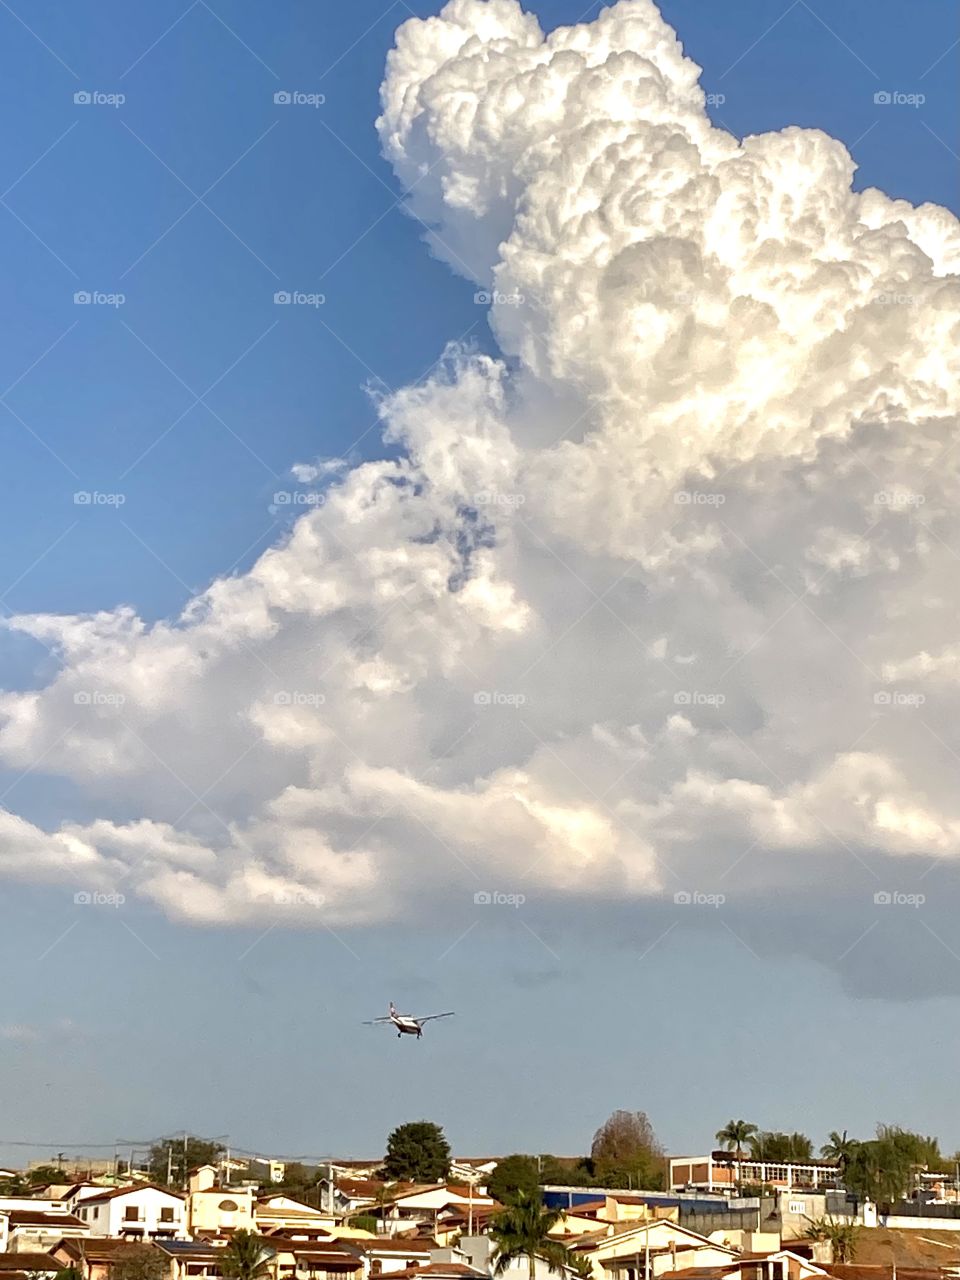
648, 1250
384, 1255
25, 1230
135, 1213
283, 1213
191, 1259
93, 1258
721, 1171
213, 1210
35, 1265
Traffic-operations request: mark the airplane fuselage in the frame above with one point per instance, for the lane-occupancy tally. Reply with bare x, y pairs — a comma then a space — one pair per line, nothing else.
406, 1026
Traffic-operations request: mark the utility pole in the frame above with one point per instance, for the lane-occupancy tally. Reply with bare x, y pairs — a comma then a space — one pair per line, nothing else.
169, 1163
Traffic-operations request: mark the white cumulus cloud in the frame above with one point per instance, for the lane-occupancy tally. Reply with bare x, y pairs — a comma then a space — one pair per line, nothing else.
671, 581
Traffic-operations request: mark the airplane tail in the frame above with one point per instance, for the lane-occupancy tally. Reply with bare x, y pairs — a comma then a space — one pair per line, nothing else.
393, 1008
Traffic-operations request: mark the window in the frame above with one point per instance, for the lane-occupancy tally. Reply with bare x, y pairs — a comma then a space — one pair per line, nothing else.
166, 1215
131, 1213
228, 1206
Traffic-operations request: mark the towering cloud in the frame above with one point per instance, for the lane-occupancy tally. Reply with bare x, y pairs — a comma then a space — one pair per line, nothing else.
666, 590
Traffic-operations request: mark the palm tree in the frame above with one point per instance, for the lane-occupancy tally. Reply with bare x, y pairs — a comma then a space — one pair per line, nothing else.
522, 1230
841, 1235
732, 1137
581, 1265
247, 1256
840, 1148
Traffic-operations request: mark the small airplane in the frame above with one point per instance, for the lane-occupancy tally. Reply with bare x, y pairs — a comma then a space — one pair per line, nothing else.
405, 1024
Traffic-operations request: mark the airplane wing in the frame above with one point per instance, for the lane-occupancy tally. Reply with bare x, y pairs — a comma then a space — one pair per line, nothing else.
374, 1021
431, 1016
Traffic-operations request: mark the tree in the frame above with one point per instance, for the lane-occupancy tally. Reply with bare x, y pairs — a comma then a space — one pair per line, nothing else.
363, 1222
139, 1262
513, 1175
417, 1152
782, 1147
839, 1148
43, 1175
581, 1265
842, 1237
522, 1230
732, 1137
246, 1257
14, 1186
68, 1273
180, 1155
625, 1151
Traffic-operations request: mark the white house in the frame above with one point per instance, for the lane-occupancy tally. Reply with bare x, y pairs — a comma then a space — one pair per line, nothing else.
32, 1229
135, 1213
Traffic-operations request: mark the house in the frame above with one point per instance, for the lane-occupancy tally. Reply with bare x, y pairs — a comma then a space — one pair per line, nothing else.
349, 1195
213, 1210
384, 1255
648, 1250
721, 1171
34, 1264
93, 1258
283, 1213
135, 1213
191, 1259
479, 1251
297, 1260
22, 1230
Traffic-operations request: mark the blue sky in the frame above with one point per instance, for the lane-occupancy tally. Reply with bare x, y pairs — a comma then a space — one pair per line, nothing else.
197, 199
